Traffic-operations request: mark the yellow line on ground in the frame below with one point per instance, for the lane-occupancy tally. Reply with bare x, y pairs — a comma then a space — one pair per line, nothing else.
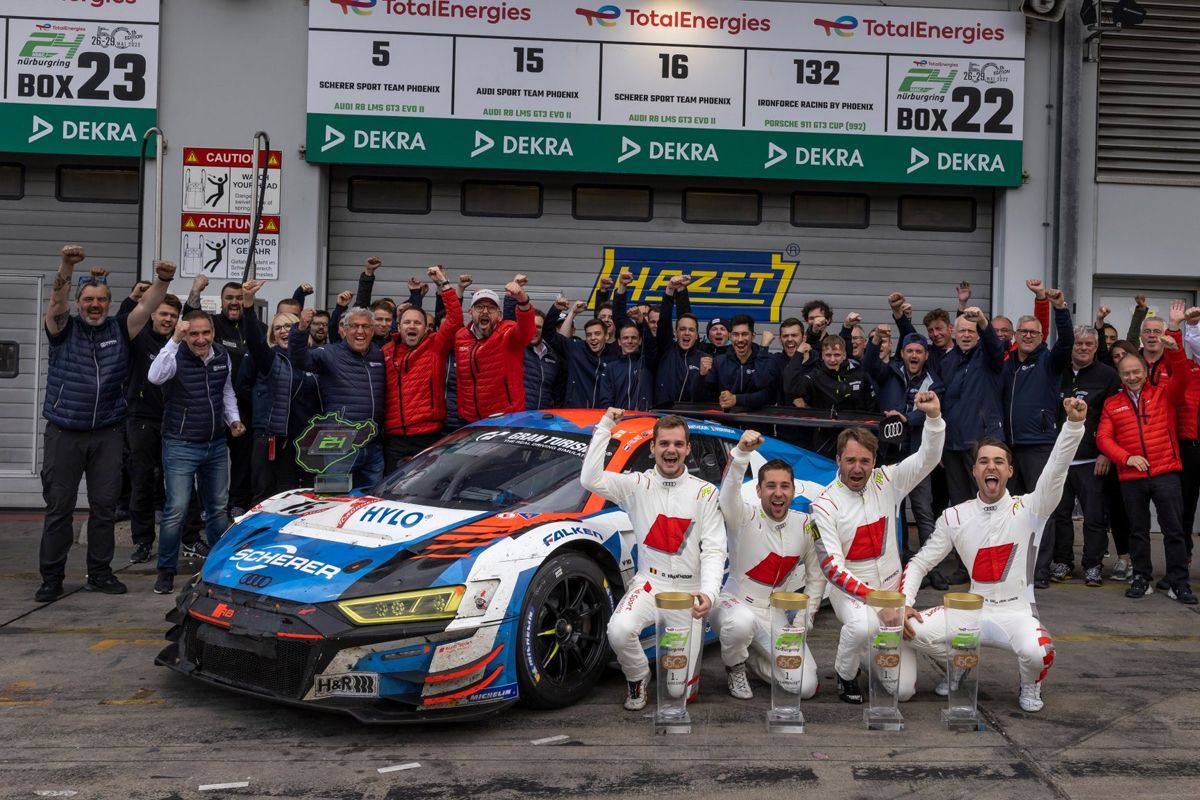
7, 700
139, 698
108, 644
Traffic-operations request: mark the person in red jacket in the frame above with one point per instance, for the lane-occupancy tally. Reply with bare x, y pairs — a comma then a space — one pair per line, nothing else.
489, 356
1189, 421
415, 364
1138, 433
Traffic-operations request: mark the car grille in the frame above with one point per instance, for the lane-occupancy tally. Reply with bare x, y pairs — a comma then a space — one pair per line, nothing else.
286, 674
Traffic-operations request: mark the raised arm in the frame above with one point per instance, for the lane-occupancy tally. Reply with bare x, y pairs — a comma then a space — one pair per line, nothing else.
609, 485
366, 282
152, 298
193, 301
1060, 354
526, 326
58, 311
734, 508
912, 470
1045, 496
1140, 310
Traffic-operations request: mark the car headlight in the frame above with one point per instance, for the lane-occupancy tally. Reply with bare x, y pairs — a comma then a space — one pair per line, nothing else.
419, 606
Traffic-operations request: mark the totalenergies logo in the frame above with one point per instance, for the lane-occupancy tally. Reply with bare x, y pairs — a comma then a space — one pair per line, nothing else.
842, 26
604, 16
360, 7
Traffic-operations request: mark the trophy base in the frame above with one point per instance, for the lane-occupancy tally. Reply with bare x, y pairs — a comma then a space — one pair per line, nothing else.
333, 484
883, 719
963, 720
785, 721
670, 725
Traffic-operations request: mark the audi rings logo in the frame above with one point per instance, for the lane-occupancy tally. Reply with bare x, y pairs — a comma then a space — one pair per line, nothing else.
256, 581
892, 430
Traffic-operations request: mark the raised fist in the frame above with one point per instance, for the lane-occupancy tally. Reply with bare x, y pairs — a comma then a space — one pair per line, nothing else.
606, 283
1102, 314
580, 306
100, 272
1056, 297
975, 314
181, 329
819, 323
344, 298
767, 338
250, 288
907, 310
1140, 300
615, 414
1076, 409
199, 283
165, 270
1192, 315
373, 263
896, 300
852, 319
465, 280
306, 318
929, 403
72, 254
750, 441
306, 289
436, 275
964, 293
1036, 286
561, 302
514, 290
684, 280
520, 279
625, 278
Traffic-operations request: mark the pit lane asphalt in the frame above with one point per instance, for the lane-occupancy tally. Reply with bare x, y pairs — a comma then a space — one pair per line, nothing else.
84, 713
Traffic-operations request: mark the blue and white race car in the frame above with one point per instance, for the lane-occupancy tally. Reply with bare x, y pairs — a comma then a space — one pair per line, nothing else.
480, 573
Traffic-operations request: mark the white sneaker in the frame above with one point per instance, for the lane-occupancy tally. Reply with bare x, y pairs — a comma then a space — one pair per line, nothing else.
1120, 570
739, 682
1031, 697
950, 681
635, 700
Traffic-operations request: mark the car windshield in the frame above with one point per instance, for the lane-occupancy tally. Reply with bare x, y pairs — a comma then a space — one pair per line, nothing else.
495, 469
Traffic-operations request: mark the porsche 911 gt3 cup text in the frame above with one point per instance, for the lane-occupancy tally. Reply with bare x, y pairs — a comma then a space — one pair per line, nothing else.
282, 555
347, 684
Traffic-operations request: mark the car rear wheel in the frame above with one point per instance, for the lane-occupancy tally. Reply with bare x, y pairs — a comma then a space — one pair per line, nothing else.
563, 641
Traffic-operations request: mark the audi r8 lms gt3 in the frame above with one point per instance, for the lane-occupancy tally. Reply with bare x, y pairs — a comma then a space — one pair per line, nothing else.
478, 573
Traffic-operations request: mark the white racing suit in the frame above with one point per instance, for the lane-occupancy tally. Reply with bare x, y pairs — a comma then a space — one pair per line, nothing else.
855, 536
764, 556
998, 544
680, 538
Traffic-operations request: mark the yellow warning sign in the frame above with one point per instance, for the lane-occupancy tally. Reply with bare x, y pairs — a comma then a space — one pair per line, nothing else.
270, 225
189, 223
191, 158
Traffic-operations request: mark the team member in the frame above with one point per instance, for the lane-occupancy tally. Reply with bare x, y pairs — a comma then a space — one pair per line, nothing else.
1137, 432
415, 365
489, 356
835, 383
678, 531
584, 357
742, 376
679, 375
198, 407
994, 533
626, 380
767, 544
85, 418
972, 372
854, 526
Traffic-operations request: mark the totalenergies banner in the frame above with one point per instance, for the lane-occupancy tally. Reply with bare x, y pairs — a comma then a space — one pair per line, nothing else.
723, 282
709, 87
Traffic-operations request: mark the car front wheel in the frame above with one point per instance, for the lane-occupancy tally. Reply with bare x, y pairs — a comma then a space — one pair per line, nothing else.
563, 637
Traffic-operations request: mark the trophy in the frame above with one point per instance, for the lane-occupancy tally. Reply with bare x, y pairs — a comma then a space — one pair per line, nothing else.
883, 667
789, 617
327, 448
962, 612
675, 650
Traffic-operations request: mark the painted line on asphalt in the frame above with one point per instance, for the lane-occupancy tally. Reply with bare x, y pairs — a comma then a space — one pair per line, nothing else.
108, 644
399, 767
7, 699
55, 792
213, 787
139, 698
551, 739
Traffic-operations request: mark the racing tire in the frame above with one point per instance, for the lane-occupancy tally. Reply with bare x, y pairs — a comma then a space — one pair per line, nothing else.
562, 639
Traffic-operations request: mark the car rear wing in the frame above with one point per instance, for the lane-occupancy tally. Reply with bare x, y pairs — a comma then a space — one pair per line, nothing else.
777, 421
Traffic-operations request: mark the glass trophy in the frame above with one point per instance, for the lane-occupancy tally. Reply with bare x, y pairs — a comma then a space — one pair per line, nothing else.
789, 618
674, 653
327, 448
963, 612
883, 665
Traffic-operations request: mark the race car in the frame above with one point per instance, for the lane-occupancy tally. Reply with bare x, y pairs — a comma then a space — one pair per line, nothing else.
479, 573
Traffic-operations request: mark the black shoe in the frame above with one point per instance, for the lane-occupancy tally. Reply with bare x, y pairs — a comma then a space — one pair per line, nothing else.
48, 592
1163, 585
958, 576
165, 583
1182, 593
140, 554
195, 551
1041, 582
849, 691
1138, 587
108, 584
938, 581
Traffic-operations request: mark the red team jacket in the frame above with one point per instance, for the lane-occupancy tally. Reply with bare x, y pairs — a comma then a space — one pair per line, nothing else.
491, 372
416, 377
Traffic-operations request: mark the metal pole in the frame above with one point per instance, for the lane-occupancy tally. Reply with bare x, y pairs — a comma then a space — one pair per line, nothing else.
159, 147
1067, 256
258, 195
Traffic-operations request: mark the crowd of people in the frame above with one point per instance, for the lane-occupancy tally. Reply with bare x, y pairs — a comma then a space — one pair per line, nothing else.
199, 412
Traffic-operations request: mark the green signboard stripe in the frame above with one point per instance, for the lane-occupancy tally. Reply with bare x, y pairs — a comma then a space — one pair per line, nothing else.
74, 130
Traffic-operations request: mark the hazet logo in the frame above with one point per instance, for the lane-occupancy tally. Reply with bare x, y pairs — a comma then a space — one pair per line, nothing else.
604, 16
842, 26
360, 7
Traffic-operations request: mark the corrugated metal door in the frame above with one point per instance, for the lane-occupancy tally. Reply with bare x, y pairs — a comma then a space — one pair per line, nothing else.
851, 269
33, 230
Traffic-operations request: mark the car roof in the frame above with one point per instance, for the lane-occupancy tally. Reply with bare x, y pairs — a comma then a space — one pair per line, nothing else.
582, 420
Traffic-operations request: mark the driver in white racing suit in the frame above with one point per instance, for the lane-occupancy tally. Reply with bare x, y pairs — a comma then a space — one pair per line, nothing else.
679, 534
997, 536
767, 542
853, 523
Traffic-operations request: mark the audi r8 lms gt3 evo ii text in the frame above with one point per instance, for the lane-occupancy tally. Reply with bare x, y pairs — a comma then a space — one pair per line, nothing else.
478, 573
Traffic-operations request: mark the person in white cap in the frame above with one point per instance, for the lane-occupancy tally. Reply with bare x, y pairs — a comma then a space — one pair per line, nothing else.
489, 355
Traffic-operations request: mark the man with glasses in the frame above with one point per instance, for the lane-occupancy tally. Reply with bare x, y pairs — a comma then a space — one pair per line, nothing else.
1031, 397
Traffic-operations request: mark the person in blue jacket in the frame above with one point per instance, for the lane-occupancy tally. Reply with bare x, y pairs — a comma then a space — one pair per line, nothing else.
584, 357
626, 381
682, 366
741, 378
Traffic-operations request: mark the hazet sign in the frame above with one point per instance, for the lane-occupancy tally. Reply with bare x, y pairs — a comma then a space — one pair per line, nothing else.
724, 282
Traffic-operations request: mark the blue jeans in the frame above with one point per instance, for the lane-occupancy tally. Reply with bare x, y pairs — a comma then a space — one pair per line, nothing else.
208, 464
368, 466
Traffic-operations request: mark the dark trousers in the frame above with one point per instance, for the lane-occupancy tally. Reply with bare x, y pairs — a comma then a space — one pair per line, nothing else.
1082, 484
1118, 519
1028, 460
920, 501
67, 457
240, 455
397, 448
1189, 454
1165, 491
273, 472
960, 483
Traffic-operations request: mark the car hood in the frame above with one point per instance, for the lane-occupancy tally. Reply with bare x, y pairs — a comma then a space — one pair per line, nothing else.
310, 549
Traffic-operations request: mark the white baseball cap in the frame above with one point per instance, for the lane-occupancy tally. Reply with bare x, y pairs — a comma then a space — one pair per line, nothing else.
484, 294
